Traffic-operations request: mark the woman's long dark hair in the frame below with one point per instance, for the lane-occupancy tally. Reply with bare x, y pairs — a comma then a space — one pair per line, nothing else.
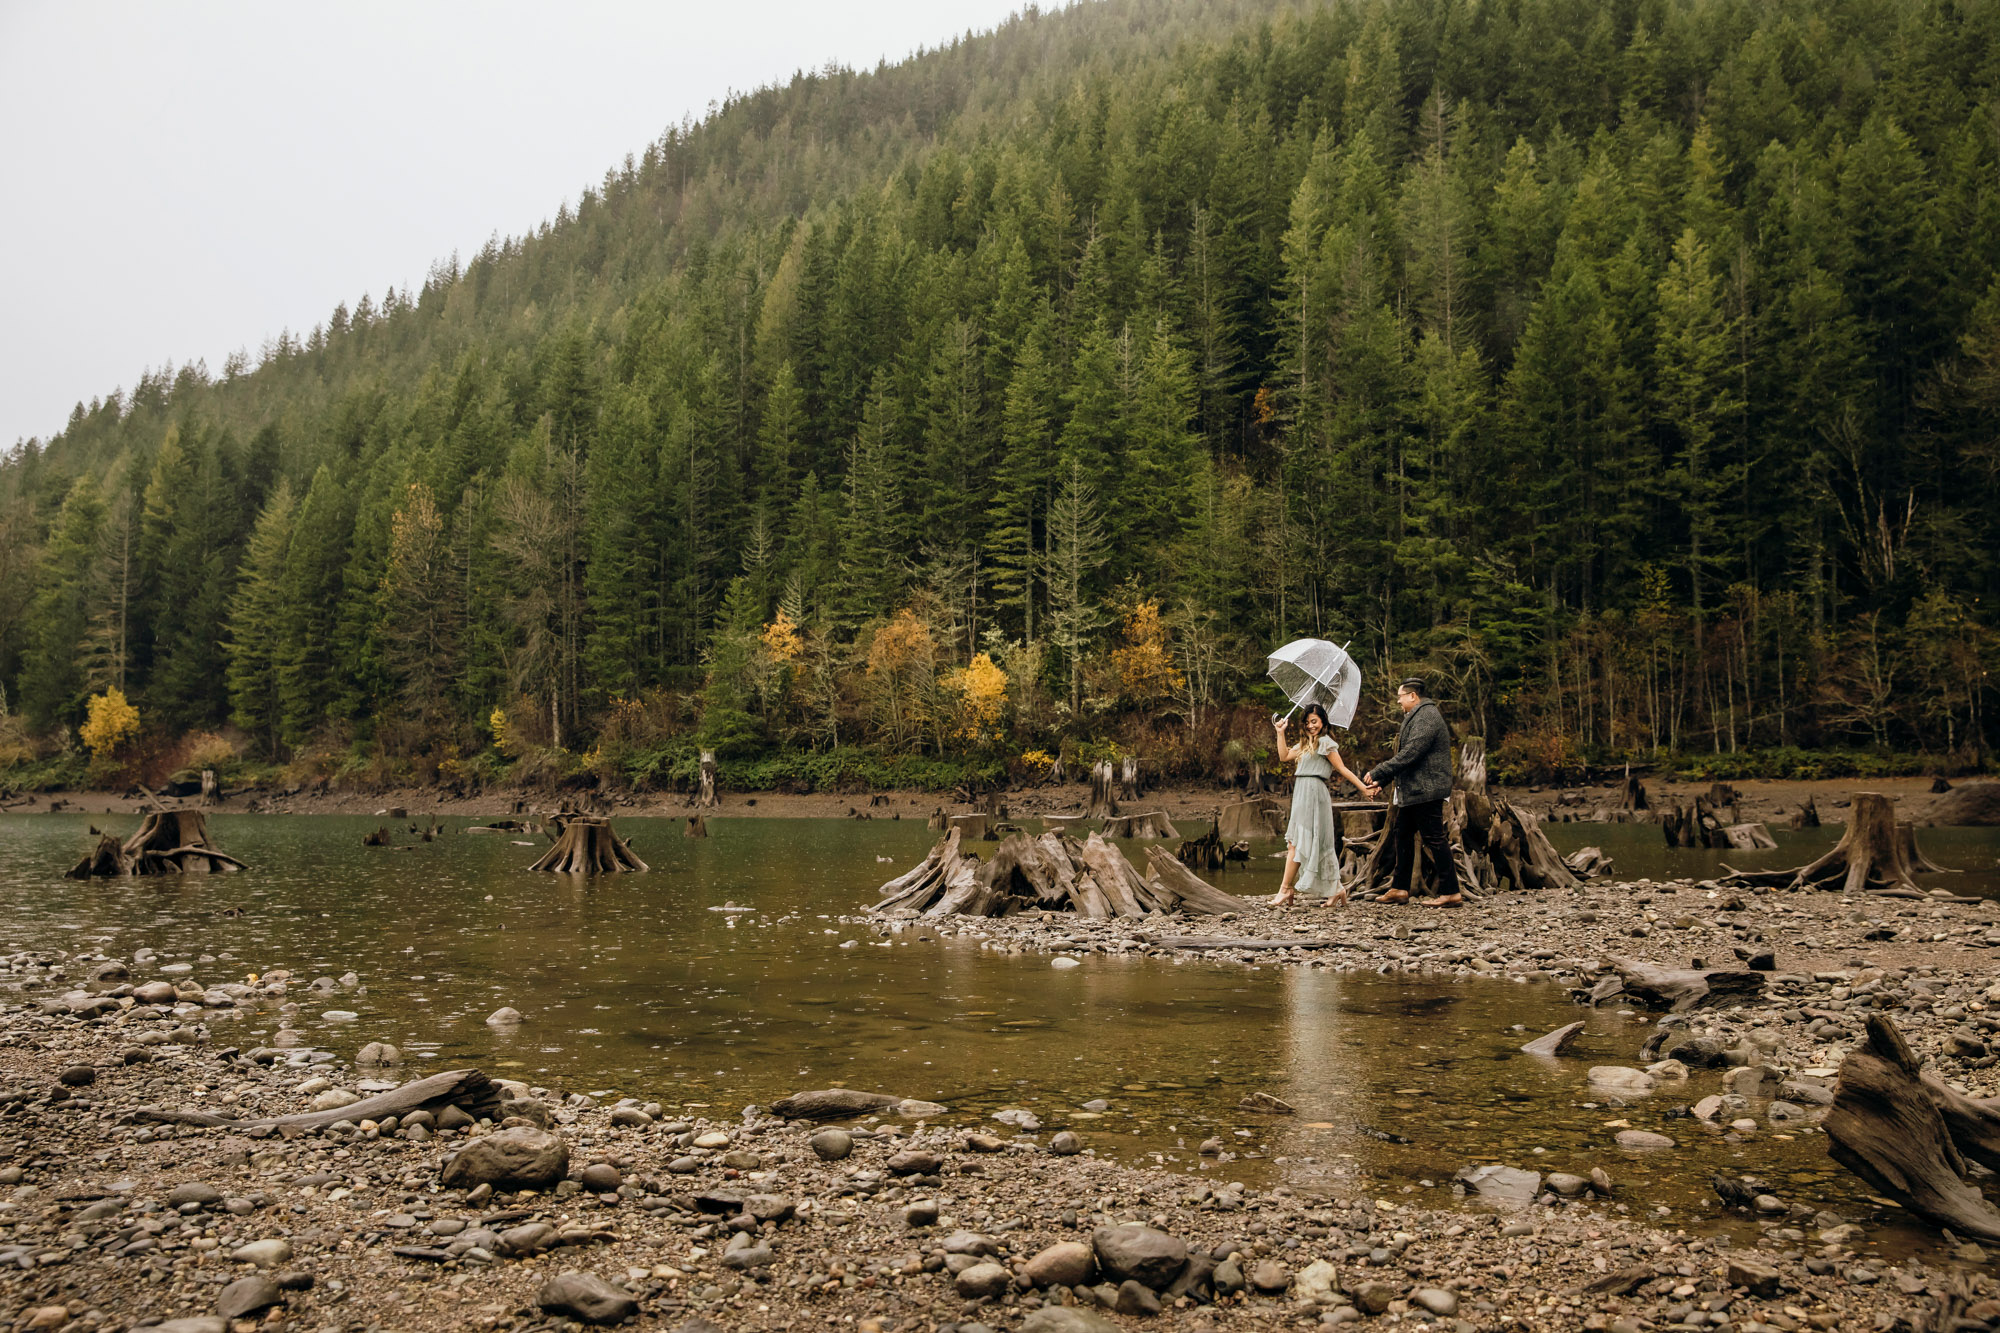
1325, 722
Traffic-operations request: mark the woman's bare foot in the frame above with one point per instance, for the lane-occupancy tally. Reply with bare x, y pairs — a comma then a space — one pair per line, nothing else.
1285, 897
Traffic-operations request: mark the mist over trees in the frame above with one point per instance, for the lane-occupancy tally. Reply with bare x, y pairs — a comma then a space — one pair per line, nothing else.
1631, 369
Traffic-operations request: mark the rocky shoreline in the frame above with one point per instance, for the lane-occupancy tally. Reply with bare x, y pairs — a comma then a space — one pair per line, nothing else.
112, 1221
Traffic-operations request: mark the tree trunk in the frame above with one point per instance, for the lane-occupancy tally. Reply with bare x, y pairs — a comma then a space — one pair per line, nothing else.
587, 846
706, 798
1807, 815
169, 842
1128, 778
1874, 853
1102, 804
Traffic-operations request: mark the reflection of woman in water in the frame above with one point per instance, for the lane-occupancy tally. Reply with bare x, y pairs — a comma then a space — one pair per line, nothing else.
1312, 857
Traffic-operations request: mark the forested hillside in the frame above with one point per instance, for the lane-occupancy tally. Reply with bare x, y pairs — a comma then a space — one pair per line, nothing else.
1632, 369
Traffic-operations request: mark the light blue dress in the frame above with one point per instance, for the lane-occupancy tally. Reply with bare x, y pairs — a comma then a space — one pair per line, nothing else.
1310, 833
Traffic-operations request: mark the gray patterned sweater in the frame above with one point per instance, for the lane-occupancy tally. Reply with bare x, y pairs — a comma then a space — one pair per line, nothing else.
1421, 766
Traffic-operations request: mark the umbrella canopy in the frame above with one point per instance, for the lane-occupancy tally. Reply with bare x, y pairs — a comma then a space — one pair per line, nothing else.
1313, 671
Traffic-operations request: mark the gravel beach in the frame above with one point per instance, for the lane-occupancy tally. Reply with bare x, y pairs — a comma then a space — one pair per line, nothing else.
926, 1221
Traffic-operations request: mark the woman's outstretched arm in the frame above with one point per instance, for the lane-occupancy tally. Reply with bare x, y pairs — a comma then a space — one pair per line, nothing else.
1340, 766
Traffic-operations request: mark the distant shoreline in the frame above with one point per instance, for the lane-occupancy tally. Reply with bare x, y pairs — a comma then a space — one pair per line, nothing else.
1189, 805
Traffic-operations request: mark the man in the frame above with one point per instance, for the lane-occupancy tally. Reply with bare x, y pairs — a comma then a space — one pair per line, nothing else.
1421, 770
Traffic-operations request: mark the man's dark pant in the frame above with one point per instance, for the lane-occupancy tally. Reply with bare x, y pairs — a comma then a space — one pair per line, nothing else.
1426, 818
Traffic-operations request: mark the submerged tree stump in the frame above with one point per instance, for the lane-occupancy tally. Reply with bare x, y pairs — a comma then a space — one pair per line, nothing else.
1154, 824
1243, 820
1205, 852
587, 846
1634, 797
1052, 872
1750, 838
697, 827
1875, 853
1806, 816
169, 842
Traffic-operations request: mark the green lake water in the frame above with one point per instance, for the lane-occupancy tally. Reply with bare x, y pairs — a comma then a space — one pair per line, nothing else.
633, 985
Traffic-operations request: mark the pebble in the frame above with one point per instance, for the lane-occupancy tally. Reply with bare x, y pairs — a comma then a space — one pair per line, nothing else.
264, 1253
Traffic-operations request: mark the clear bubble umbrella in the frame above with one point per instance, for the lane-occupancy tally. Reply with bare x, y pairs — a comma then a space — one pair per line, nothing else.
1313, 671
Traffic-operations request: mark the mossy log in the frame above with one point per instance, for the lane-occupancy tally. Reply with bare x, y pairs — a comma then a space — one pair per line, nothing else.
1052, 872
588, 846
168, 842
1874, 853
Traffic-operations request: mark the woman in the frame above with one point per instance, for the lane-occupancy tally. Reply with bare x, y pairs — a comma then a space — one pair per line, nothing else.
1312, 857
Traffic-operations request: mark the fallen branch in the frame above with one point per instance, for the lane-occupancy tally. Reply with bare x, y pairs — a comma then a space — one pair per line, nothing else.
468, 1089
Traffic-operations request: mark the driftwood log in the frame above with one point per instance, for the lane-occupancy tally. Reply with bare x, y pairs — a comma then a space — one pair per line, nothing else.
1553, 1043
587, 846
1875, 853
1153, 824
169, 842
1908, 1135
1678, 989
468, 1089
1052, 872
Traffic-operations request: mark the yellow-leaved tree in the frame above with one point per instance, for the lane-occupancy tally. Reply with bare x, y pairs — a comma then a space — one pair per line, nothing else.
109, 721
1146, 670
979, 690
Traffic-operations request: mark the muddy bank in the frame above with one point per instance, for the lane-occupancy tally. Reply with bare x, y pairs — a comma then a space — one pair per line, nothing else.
109, 1219
1189, 806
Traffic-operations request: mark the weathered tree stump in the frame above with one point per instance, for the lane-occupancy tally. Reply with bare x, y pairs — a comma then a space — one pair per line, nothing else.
1874, 853
1588, 862
705, 797
1498, 845
1052, 872
587, 846
1102, 804
1128, 778
1634, 797
1242, 820
378, 838
1203, 853
975, 828
1750, 838
1154, 824
697, 827
1890, 1126
1806, 816
168, 842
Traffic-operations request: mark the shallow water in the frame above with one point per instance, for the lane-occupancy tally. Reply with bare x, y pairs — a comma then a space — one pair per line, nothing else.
633, 984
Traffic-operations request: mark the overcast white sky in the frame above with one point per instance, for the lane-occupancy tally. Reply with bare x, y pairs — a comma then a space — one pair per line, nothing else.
188, 178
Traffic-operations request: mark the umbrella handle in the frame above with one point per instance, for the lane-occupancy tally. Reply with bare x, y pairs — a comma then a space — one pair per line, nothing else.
1286, 718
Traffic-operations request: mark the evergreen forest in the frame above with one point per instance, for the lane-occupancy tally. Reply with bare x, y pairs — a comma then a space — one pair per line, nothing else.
1629, 368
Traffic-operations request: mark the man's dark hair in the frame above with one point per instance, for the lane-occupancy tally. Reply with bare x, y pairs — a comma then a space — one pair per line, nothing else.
1414, 685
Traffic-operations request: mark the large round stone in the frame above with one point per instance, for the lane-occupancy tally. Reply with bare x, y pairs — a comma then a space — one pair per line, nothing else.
1067, 1263
587, 1297
520, 1158
1140, 1253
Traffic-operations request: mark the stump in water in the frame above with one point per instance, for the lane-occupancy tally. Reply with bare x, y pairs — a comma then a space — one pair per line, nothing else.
1203, 853
587, 846
1908, 1135
697, 827
1052, 872
1498, 844
1807, 815
974, 828
1874, 853
1102, 806
169, 842
1260, 818
1152, 825
379, 838
1750, 838
1635, 793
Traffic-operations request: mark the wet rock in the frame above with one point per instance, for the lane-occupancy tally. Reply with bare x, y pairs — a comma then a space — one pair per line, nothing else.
246, 1296
505, 1017
264, 1253
1374, 1297
1782, 1112
1067, 1263
586, 1297
977, 1142
922, 1213
77, 1076
831, 1145
1708, 1108
1135, 1299
1643, 1138
1025, 1121
1228, 1278
1065, 1144
1507, 1184
1758, 1279
155, 992
1567, 1185
333, 1099
630, 1117
914, 1162
1751, 1080
1270, 1277
522, 1157
1149, 1256
1065, 1319
1437, 1300
748, 1256
982, 1280
378, 1053
1619, 1081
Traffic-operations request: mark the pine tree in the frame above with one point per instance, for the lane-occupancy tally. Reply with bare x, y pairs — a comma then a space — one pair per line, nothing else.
256, 623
